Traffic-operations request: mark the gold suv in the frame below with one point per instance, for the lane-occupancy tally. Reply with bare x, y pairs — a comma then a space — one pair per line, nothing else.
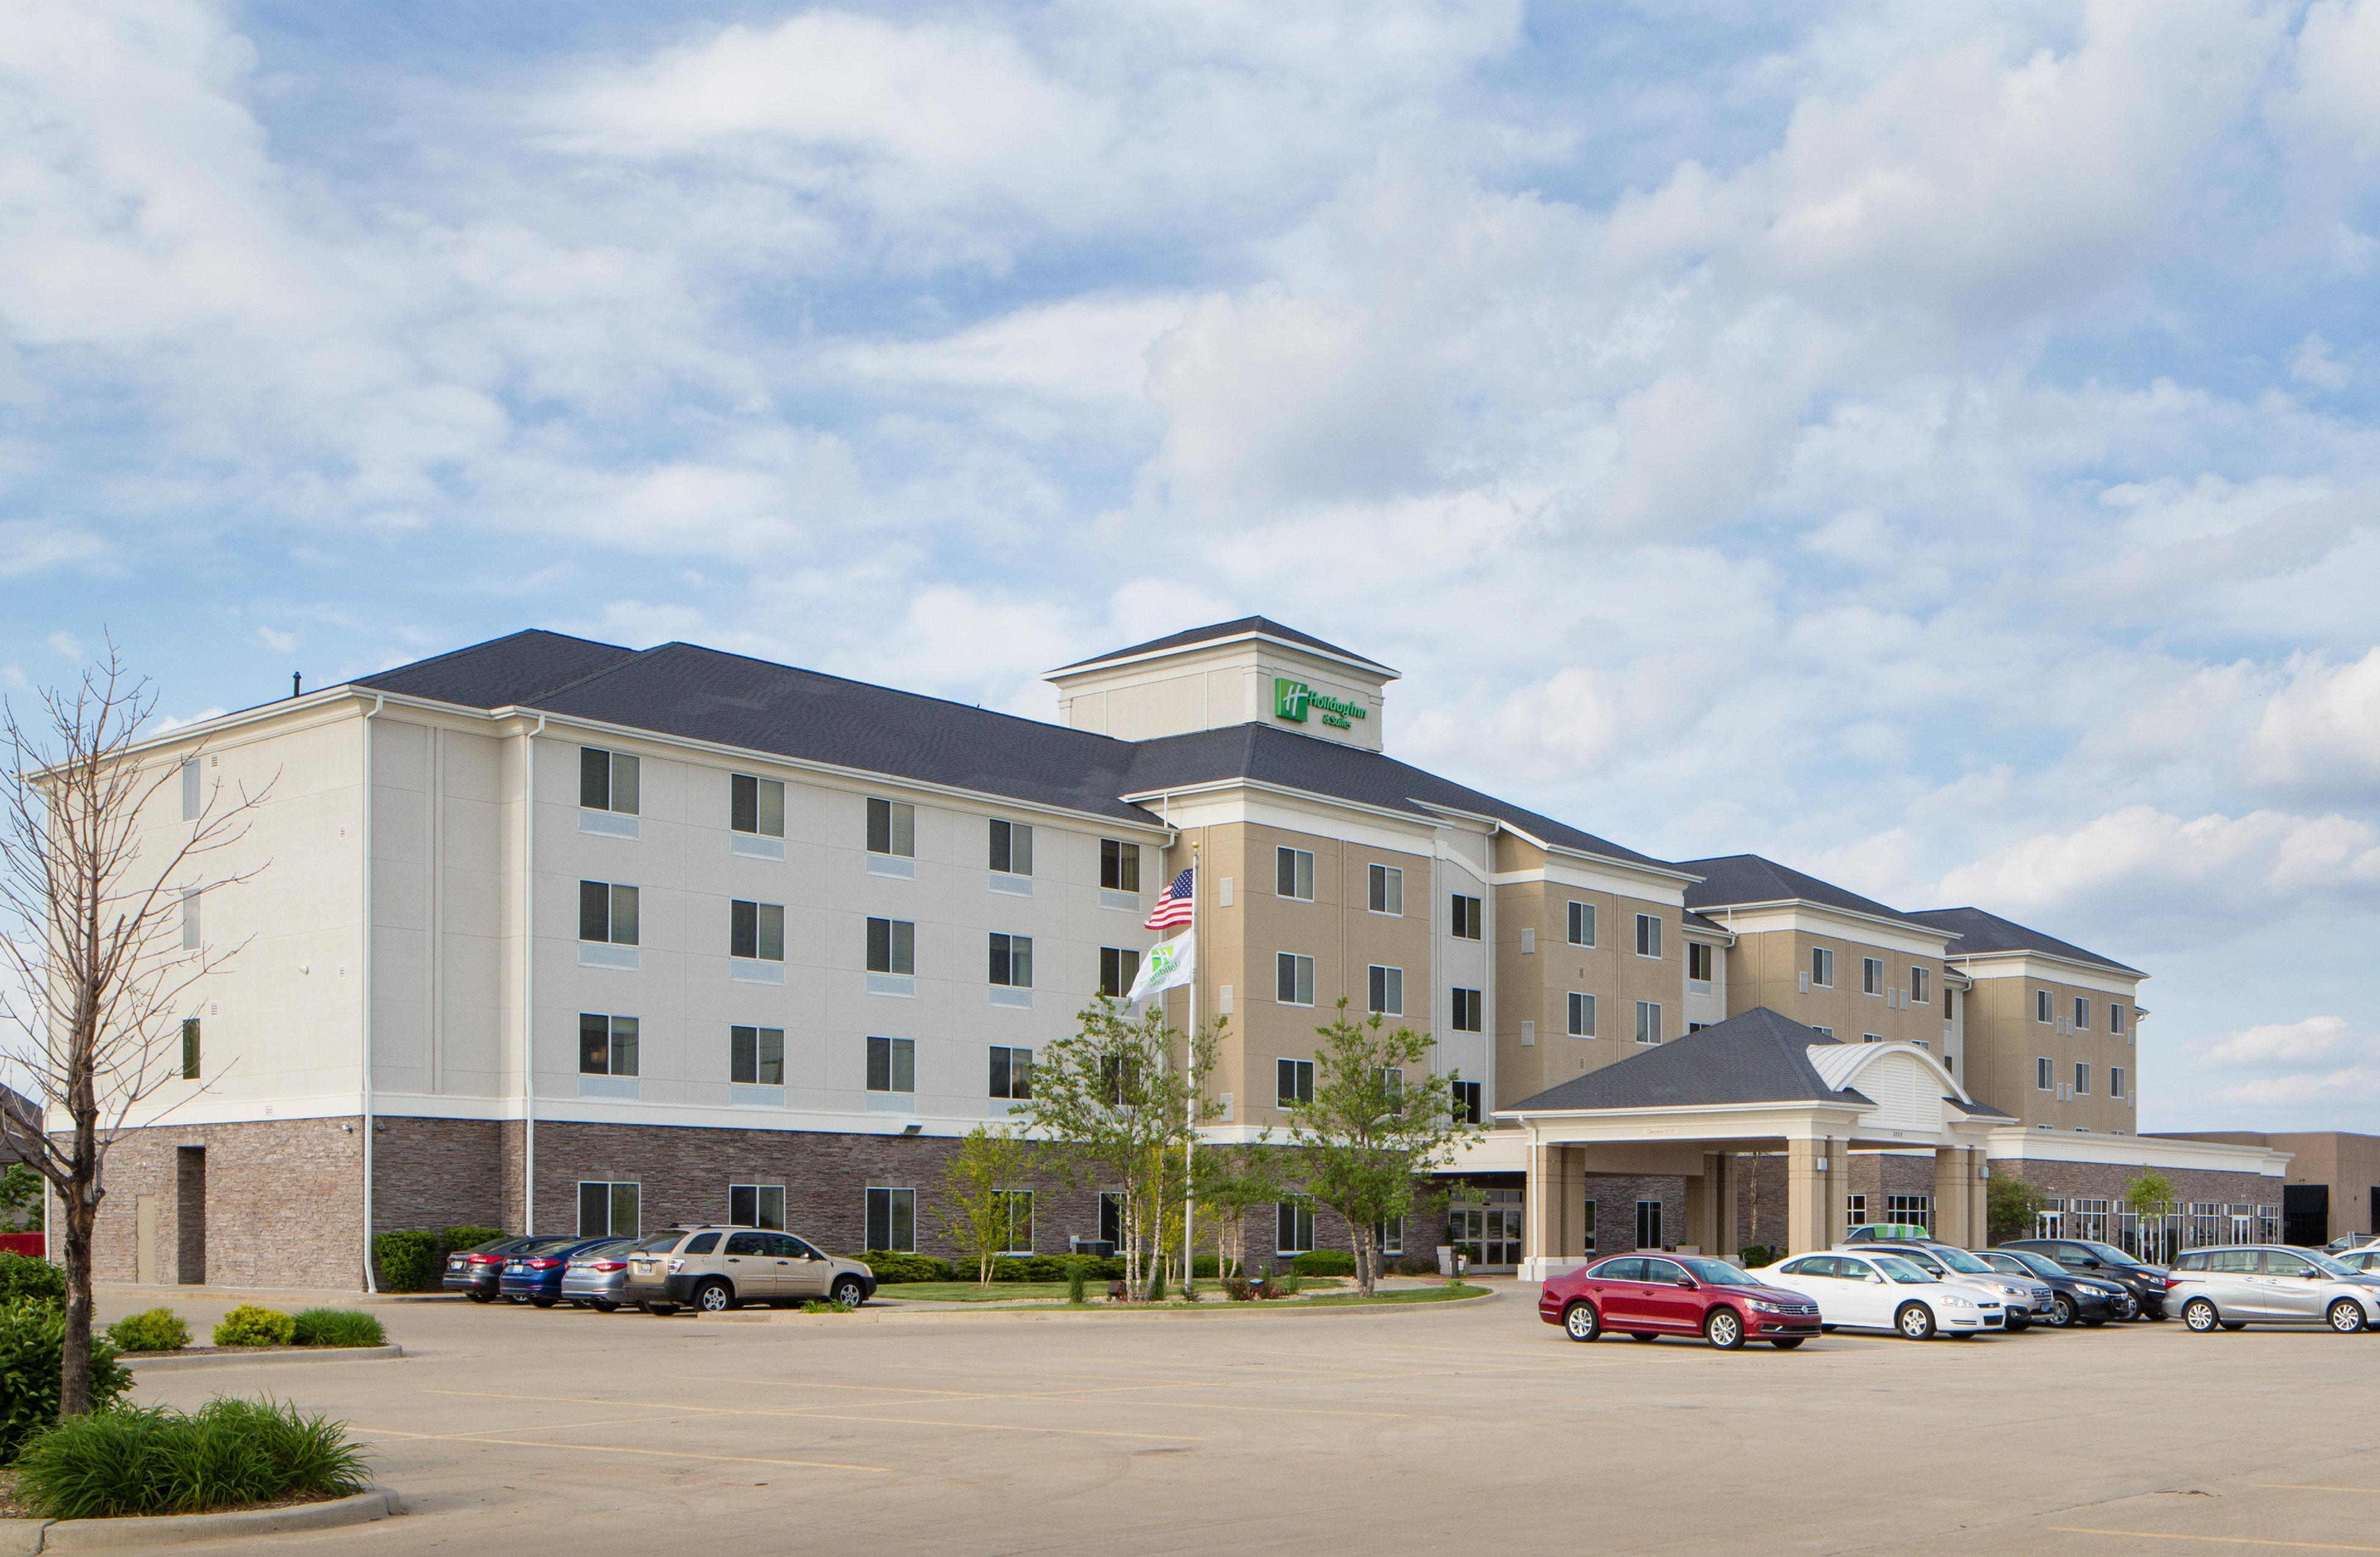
716, 1267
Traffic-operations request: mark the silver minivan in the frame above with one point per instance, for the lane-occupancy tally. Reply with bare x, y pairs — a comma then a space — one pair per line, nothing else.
2239, 1284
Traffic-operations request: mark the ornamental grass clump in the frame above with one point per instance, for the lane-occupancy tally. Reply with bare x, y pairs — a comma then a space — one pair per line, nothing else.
152, 1329
337, 1327
249, 1325
228, 1453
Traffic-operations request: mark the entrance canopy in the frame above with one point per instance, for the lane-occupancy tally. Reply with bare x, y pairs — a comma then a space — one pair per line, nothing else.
1759, 1083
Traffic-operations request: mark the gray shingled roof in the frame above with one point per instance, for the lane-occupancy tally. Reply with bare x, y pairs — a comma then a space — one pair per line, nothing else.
1759, 1056
1224, 630
1734, 880
1981, 933
501, 671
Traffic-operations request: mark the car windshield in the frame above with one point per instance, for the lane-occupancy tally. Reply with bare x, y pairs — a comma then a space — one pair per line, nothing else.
659, 1243
1960, 1259
1897, 1269
2109, 1254
2328, 1266
1718, 1272
2039, 1264
544, 1245
602, 1251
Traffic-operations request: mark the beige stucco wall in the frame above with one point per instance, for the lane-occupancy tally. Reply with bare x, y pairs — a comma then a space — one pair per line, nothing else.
1766, 969
2004, 1039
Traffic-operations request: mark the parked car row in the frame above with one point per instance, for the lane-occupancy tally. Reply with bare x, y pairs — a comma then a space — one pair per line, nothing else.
710, 1269
1898, 1280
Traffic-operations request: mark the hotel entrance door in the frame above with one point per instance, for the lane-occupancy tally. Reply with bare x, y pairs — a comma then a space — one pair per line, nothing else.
1489, 1234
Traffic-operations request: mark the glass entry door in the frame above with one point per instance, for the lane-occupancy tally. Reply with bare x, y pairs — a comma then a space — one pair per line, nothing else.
1489, 1234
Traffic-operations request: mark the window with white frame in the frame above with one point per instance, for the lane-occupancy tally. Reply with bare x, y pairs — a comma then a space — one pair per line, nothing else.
1293, 873
1468, 1008
1012, 848
1292, 1083
608, 780
1011, 961
755, 1056
1871, 976
892, 1064
757, 1205
892, 828
1648, 1223
1917, 1209
2081, 1080
1921, 985
1649, 935
1119, 970
756, 806
1467, 1100
1384, 889
609, 1209
1385, 994
1822, 967
607, 1045
892, 945
1011, 1072
1854, 1211
892, 1220
1293, 1227
1581, 924
2115, 1017
1871, 1037
2041, 1007
1648, 1022
2116, 1082
1391, 1236
1701, 958
756, 931
1119, 865
1293, 979
1465, 919
1017, 1207
1582, 1015
2081, 1014
2044, 1079
607, 911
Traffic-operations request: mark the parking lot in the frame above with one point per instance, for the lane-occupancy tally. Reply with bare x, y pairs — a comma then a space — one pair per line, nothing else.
1395, 1429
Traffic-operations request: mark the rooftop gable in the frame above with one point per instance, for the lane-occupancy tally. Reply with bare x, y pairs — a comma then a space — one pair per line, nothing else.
1759, 1056
1741, 880
1225, 631
1981, 934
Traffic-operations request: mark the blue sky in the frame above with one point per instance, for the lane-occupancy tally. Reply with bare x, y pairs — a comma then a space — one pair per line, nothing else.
1932, 445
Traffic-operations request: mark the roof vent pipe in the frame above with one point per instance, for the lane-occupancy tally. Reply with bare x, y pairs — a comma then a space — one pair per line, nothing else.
297, 683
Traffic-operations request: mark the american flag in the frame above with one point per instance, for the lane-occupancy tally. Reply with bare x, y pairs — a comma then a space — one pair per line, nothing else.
1172, 905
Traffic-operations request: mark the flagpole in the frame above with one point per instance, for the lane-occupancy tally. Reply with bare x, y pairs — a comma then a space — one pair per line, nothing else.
1189, 1070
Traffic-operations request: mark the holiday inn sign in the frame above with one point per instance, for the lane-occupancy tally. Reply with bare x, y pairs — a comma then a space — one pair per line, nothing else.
1291, 698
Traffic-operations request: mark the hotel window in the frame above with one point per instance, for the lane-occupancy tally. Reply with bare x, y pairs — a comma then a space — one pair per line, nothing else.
1648, 1022
755, 1056
1119, 865
607, 780
1648, 935
1011, 1072
1292, 1083
1854, 1211
1392, 1081
1698, 961
2081, 1080
1387, 993
1017, 1204
892, 945
1112, 1218
1581, 924
892, 828
607, 1045
1648, 1227
191, 939
2041, 1007
2081, 1015
757, 1205
608, 1210
1467, 1016
1871, 1037
1391, 1236
1293, 979
1950, 1003
1822, 967
1012, 848
189, 1049
1921, 986
892, 1064
2115, 1017
1827, 1031
1119, 968
1385, 888
1589, 1223
1294, 1227
1011, 961
191, 802
2043, 1078
1293, 873
607, 912
1871, 976
1466, 1101
756, 806
1582, 1015
756, 930
892, 1220
2116, 1082
1466, 920
1918, 1209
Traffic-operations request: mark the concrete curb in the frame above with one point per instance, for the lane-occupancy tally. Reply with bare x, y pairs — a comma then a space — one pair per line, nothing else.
175, 1530
174, 1362
1091, 1314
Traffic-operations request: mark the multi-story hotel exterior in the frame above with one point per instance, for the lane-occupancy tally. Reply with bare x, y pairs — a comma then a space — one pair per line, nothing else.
557, 935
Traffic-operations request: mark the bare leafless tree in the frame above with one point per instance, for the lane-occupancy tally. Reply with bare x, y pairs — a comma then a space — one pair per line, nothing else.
93, 895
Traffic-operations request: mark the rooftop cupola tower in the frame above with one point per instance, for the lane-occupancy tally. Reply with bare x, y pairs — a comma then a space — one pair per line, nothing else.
1233, 673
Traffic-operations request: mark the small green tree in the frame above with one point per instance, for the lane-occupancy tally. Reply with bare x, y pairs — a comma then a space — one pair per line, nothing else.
977, 1211
20, 1199
1373, 1125
2152, 1198
1117, 1105
2012, 1207
1229, 1181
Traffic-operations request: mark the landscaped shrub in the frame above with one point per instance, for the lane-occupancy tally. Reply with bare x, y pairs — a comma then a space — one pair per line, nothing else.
409, 1259
896, 1265
1077, 1280
457, 1239
33, 1340
337, 1327
1755, 1255
249, 1325
1416, 1265
153, 1330
1324, 1262
228, 1453
24, 1276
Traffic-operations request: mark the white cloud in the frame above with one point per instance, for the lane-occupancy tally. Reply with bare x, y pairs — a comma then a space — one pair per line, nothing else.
65, 645
2320, 731
276, 640
2313, 364
2337, 59
2277, 1043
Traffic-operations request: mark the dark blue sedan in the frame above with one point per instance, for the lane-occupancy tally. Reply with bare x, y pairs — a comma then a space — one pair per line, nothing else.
533, 1273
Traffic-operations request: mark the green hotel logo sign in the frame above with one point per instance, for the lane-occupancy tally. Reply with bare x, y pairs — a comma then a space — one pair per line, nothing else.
1291, 699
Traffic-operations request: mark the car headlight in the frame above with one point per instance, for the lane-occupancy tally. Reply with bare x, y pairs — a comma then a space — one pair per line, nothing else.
1952, 1301
1766, 1306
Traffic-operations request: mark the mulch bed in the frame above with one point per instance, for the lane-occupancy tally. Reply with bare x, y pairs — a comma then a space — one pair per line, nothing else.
9, 1507
242, 1351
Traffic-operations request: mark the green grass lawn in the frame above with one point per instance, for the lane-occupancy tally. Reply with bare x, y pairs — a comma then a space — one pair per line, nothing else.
1210, 1295
969, 1292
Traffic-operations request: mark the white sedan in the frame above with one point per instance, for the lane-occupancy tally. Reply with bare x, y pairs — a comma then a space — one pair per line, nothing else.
1884, 1292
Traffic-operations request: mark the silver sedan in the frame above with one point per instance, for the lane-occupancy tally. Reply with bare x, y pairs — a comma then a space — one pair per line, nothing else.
596, 1276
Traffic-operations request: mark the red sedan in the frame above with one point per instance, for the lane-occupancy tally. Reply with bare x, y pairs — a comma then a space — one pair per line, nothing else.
1649, 1296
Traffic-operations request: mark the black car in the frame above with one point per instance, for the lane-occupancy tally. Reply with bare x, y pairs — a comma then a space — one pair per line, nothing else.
477, 1272
2080, 1299
2086, 1257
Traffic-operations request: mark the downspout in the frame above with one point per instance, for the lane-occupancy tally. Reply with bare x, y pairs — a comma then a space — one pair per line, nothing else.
371, 1282
528, 978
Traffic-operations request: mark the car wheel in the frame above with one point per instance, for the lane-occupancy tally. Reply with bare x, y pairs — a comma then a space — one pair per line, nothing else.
2346, 1316
478, 1297
713, 1297
848, 1292
663, 1310
1787, 1343
1724, 1329
602, 1306
1642, 1335
2061, 1311
1580, 1323
543, 1302
1914, 1320
2200, 1315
